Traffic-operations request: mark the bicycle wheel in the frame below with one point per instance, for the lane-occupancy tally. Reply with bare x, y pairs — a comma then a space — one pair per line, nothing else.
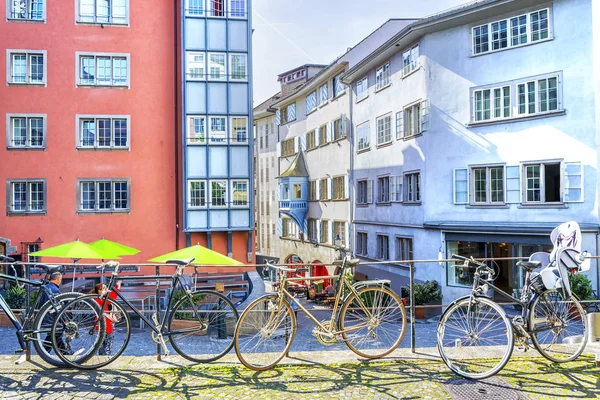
265, 332
99, 340
374, 322
201, 326
42, 328
475, 343
559, 326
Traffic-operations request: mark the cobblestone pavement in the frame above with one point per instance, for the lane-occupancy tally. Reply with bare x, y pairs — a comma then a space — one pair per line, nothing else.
405, 375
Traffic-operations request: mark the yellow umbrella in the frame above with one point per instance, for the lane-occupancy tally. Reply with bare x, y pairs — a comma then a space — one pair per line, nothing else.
200, 254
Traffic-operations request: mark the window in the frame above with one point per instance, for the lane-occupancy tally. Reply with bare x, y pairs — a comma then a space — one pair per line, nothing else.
338, 128
197, 193
290, 112
237, 8
383, 247
511, 32
216, 67
324, 231
362, 135
288, 147
324, 189
542, 182
297, 190
384, 129
382, 77
217, 132
103, 70
218, 193
362, 89
238, 67
362, 243
239, 130
26, 67
217, 8
312, 191
364, 191
26, 196
488, 185
195, 7
410, 60
339, 230
312, 230
492, 103
412, 185
338, 86
404, 249
32, 10
311, 140
339, 188
106, 132
103, 11
396, 188
323, 137
32, 248
239, 193
538, 96
311, 102
383, 189
103, 195
266, 136
412, 120
323, 94
195, 65
196, 130
26, 131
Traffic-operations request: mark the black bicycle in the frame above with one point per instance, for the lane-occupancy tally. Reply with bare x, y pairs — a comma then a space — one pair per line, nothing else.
35, 324
199, 324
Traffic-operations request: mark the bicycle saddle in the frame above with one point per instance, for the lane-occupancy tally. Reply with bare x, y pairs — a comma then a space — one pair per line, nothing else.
529, 265
180, 262
50, 269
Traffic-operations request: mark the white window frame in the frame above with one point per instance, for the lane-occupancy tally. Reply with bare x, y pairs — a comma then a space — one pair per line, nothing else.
225, 194
339, 229
211, 11
383, 191
510, 38
10, 123
362, 89
80, 118
380, 247
404, 249
382, 77
113, 56
338, 86
195, 65
213, 137
362, 132
203, 198
488, 184
97, 209
221, 77
237, 16
382, 135
412, 187
234, 139
542, 183
410, 60
95, 18
362, 198
412, 120
246, 204
325, 234
28, 54
28, 206
192, 136
195, 8
244, 77
324, 194
312, 229
22, 10
537, 95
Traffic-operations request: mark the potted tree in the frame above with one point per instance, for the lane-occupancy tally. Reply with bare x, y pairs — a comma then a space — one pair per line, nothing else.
15, 298
581, 287
425, 294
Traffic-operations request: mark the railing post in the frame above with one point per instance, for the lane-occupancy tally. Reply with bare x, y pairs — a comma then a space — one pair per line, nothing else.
412, 307
27, 303
157, 310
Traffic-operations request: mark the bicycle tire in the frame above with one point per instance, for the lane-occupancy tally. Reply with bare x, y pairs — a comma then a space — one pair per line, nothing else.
386, 309
250, 327
564, 311
454, 321
94, 359
43, 328
214, 336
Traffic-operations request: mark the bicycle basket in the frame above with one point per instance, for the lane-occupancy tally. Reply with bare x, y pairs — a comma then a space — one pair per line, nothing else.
114, 316
537, 283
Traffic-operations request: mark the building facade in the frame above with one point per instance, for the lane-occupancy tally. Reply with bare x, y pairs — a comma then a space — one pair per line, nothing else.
474, 135
89, 126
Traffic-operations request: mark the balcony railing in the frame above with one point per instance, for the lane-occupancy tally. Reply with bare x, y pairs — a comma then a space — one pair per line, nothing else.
293, 204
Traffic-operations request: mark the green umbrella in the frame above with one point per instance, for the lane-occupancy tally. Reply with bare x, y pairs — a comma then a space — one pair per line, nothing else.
200, 254
75, 250
108, 246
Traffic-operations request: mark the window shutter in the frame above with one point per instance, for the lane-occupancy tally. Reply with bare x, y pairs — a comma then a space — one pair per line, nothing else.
303, 142
296, 144
278, 117
392, 188
317, 136
278, 149
424, 115
513, 184
399, 186
399, 125
292, 112
346, 187
317, 189
329, 131
342, 125
279, 227
330, 232
318, 225
572, 182
347, 239
461, 186
369, 191
329, 188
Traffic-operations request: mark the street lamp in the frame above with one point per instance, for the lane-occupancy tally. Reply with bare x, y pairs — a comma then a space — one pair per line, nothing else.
337, 241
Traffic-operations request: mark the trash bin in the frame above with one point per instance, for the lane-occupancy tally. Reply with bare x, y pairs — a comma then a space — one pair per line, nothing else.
593, 320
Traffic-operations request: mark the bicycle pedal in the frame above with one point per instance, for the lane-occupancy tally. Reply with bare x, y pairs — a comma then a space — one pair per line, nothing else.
20, 351
522, 349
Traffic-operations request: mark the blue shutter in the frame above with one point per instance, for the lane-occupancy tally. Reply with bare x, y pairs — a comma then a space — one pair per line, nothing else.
317, 137
303, 142
278, 117
279, 227
573, 182
461, 186
291, 114
342, 126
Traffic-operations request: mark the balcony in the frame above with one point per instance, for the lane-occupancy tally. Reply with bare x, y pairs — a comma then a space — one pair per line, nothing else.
289, 205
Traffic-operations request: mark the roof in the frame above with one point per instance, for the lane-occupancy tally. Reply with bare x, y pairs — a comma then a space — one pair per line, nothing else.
264, 109
297, 168
302, 67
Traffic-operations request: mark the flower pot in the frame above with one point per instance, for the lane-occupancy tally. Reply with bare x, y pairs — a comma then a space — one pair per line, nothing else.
419, 313
181, 324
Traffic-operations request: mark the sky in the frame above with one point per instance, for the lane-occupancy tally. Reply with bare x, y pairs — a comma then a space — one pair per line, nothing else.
290, 33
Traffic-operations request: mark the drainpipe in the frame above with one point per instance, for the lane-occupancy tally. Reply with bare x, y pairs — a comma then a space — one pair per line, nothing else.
176, 133
351, 172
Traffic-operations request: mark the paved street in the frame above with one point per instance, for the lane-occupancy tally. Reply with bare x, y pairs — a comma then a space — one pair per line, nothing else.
343, 376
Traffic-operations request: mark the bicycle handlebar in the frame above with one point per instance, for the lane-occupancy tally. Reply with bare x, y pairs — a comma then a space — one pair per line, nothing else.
479, 264
114, 264
7, 259
277, 267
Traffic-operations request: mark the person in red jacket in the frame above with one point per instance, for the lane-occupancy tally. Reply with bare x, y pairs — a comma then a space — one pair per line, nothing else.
110, 317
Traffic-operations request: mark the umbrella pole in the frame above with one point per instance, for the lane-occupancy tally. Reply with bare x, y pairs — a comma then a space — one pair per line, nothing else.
74, 268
